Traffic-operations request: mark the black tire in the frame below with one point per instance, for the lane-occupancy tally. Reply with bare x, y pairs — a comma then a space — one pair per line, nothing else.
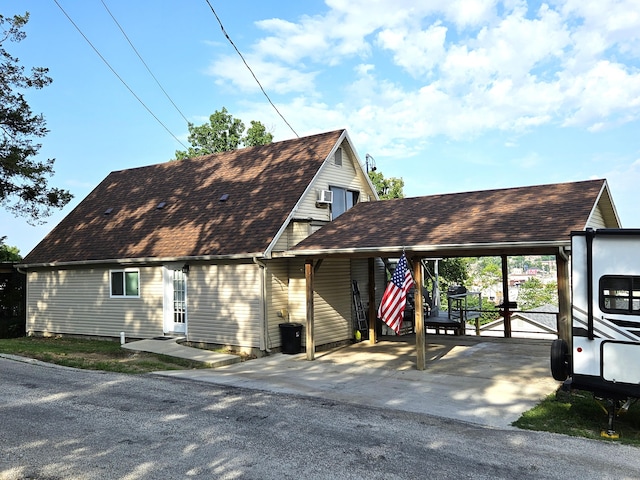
560, 368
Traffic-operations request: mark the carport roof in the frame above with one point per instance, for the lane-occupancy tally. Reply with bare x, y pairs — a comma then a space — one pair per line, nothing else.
524, 220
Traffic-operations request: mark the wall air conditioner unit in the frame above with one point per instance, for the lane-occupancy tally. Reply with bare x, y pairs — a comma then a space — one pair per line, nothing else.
325, 198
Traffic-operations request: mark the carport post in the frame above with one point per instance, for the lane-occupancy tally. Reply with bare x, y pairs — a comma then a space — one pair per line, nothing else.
421, 346
310, 341
505, 297
373, 314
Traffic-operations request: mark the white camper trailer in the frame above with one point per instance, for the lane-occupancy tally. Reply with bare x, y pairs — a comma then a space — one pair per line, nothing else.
603, 354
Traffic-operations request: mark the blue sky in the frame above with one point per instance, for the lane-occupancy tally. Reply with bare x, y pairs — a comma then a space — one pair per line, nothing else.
451, 96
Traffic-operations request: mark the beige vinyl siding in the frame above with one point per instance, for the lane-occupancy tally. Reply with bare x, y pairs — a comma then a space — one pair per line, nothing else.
295, 232
223, 304
332, 300
297, 294
278, 299
597, 218
298, 231
77, 301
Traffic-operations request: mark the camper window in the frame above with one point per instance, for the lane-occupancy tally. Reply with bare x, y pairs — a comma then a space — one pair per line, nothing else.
620, 294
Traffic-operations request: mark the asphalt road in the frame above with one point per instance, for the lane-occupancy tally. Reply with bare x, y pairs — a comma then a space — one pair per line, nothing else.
62, 423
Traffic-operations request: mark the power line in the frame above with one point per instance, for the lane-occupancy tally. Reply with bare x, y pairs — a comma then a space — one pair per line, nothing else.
143, 62
249, 68
116, 74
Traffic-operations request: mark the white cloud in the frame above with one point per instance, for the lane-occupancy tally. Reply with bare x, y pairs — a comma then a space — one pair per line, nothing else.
460, 68
274, 77
418, 52
615, 23
603, 92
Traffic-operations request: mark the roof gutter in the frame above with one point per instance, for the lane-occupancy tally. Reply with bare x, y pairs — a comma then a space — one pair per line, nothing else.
425, 248
142, 260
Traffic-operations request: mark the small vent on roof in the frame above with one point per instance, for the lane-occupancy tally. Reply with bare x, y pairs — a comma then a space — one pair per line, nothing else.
108, 211
224, 197
161, 205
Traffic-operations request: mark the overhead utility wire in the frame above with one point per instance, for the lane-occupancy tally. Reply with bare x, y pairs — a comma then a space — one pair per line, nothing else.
248, 67
116, 74
143, 62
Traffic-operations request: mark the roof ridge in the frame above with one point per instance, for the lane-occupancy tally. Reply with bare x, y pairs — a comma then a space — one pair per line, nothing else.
506, 189
233, 153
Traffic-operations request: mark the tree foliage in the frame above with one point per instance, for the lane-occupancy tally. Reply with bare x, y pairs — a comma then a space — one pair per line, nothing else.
487, 271
533, 293
7, 253
223, 133
24, 190
451, 271
387, 188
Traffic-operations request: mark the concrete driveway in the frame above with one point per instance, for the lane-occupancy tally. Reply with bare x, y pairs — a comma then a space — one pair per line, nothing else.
489, 381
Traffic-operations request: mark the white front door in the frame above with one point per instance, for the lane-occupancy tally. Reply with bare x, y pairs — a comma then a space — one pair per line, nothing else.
175, 300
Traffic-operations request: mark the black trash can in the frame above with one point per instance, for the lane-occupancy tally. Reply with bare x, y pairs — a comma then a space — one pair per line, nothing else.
291, 338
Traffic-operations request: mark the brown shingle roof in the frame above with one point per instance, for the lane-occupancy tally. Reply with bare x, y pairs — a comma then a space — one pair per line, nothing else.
263, 185
527, 215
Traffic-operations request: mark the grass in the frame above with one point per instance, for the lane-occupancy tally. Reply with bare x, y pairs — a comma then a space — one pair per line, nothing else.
579, 414
93, 355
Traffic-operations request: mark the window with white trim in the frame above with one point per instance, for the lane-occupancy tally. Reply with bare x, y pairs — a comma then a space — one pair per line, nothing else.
125, 283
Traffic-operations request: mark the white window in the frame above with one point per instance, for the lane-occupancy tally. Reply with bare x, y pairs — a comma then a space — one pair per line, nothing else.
343, 200
125, 283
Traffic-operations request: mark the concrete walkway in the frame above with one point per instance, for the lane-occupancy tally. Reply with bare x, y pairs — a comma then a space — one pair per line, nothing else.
169, 346
481, 380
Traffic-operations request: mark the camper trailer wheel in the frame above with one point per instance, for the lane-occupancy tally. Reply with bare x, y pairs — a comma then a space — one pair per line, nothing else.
560, 360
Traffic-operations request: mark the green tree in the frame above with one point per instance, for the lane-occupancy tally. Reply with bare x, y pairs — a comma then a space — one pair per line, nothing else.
24, 190
488, 272
533, 293
257, 135
451, 271
7, 253
223, 133
387, 188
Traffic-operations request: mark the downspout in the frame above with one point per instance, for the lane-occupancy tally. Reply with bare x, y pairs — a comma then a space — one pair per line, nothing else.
263, 295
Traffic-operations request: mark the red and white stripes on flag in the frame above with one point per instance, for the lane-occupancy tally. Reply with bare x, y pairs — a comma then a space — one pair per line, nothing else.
391, 309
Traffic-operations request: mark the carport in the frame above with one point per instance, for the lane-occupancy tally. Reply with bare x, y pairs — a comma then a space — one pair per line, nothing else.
535, 220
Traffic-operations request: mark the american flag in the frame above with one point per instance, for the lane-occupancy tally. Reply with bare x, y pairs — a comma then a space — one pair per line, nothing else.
391, 309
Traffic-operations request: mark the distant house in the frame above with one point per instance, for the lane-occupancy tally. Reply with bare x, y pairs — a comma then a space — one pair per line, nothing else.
540, 322
195, 248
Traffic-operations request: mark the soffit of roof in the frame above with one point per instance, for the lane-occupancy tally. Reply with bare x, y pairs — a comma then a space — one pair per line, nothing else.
526, 219
263, 183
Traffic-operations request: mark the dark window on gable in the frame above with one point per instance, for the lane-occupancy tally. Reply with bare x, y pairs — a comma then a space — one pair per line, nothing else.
337, 157
343, 200
620, 294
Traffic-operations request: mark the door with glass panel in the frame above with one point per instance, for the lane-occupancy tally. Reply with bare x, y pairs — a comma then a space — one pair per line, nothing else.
175, 299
